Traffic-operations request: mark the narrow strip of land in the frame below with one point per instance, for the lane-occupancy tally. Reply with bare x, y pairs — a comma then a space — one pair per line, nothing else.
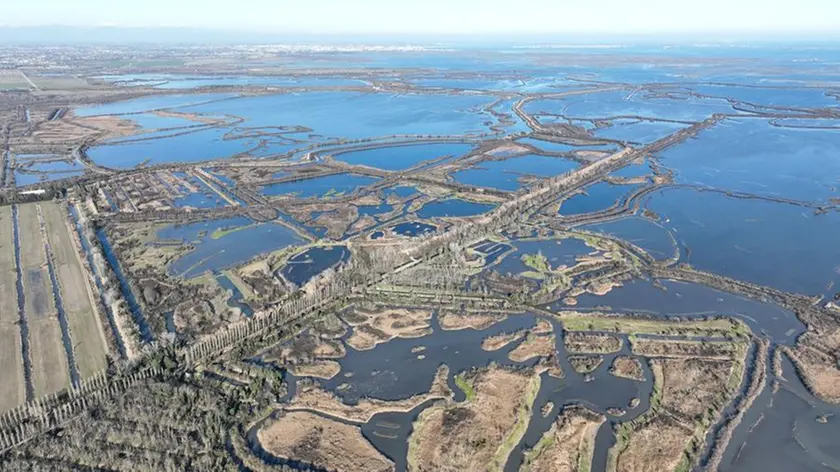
12, 391
77, 297
50, 372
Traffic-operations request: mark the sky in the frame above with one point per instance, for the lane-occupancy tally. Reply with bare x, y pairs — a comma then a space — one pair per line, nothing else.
468, 17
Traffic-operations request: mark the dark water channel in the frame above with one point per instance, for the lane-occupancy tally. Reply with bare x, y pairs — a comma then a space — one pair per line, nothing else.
125, 287
785, 430
689, 300
391, 371
598, 391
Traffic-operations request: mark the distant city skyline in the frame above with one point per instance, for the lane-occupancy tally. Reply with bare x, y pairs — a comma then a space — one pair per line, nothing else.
448, 17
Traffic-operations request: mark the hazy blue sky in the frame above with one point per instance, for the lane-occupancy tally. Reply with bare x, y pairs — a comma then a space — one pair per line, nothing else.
438, 16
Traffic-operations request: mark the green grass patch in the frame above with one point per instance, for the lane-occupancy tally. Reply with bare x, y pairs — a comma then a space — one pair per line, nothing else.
586, 452
623, 431
720, 327
222, 232
465, 385
537, 261
523, 419
545, 442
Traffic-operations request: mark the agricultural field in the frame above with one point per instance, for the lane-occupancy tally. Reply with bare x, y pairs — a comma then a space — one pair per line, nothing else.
58, 325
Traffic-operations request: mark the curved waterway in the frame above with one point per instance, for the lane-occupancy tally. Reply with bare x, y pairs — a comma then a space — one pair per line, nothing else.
670, 298
396, 370
599, 391
787, 429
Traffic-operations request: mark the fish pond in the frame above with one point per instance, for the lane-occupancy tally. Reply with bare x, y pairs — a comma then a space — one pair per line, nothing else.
506, 174
324, 187
453, 207
300, 268
402, 157
222, 244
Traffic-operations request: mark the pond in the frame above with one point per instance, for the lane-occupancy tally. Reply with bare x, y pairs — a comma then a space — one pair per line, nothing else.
410, 229
644, 132
300, 268
402, 157
752, 156
453, 207
325, 187
642, 232
596, 197
557, 252
784, 246
505, 174
223, 244
684, 299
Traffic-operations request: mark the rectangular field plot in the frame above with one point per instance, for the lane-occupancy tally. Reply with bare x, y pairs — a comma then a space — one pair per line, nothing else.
12, 391
8, 277
82, 319
12, 79
37, 288
12, 382
50, 372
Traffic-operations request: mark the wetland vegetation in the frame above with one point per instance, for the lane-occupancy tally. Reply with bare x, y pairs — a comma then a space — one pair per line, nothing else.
536, 260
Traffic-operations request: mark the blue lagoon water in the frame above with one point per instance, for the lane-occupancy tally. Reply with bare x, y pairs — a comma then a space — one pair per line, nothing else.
403, 157
750, 155
784, 246
504, 175
212, 254
329, 186
599, 196
300, 268
452, 208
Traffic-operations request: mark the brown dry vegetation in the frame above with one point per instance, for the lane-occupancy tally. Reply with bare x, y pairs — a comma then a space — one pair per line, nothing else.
322, 442
628, 368
655, 447
585, 364
477, 435
50, 372
12, 386
819, 371
312, 397
543, 327
319, 369
551, 365
671, 348
8, 277
77, 298
498, 341
533, 346
372, 328
455, 321
688, 397
591, 343
569, 444
816, 360
77, 130
304, 348
691, 386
